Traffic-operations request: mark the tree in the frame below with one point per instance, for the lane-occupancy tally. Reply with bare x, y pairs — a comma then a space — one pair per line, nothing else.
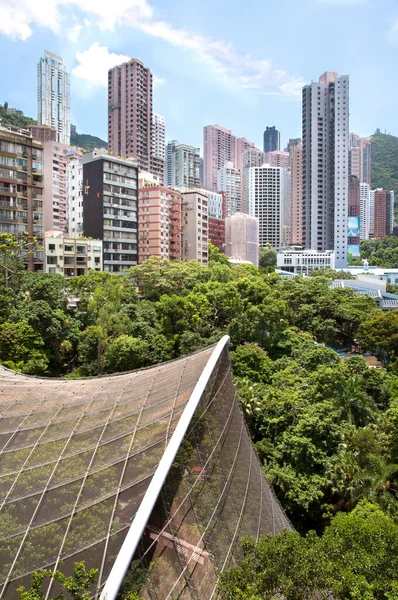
75, 587
267, 257
215, 256
380, 335
356, 558
251, 361
22, 347
126, 353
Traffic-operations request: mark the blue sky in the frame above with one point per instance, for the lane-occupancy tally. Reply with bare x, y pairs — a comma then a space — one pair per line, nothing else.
237, 63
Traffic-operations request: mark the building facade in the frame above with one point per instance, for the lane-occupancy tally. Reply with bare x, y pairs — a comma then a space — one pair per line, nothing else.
182, 165
74, 195
364, 192
159, 222
360, 158
266, 195
130, 116
158, 135
229, 182
56, 159
53, 96
301, 262
71, 257
277, 158
242, 145
44, 133
195, 226
383, 211
296, 192
325, 165
216, 217
110, 208
242, 237
287, 208
219, 147
21, 192
252, 157
272, 139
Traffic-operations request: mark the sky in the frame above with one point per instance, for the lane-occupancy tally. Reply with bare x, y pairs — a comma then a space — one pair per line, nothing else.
238, 63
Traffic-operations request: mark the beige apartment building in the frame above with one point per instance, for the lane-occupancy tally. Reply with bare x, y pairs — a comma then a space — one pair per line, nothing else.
159, 223
195, 226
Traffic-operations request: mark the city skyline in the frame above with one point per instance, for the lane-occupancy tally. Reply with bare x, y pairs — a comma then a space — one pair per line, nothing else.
227, 75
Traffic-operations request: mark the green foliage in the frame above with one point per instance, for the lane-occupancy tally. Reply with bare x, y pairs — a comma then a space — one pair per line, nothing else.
15, 120
75, 587
267, 257
380, 335
126, 353
381, 252
215, 256
384, 162
356, 557
87, 142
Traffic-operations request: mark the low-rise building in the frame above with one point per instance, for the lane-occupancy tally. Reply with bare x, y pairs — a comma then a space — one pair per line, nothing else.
159, 222
301, 262
69, 256
195, 226
242, 238
110, 208
21, 192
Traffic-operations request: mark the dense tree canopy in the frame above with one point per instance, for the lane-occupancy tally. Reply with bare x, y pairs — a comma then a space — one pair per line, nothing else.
325, 428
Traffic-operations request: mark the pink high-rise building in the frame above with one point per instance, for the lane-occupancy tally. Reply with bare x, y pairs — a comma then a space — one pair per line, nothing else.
360, 158
219, 147
277, 158
130, 116
242, 145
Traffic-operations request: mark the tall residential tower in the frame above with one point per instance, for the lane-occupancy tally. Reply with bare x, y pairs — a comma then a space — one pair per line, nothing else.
272, 139
130, 116
219, 147
325, 165
53, 96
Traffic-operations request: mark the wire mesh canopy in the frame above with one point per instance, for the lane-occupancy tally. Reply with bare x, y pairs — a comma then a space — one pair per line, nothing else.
77, 458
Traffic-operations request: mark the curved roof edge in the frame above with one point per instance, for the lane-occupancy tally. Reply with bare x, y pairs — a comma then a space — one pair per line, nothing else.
131, 541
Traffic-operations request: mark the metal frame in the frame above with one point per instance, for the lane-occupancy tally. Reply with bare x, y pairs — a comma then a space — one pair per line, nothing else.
131, 541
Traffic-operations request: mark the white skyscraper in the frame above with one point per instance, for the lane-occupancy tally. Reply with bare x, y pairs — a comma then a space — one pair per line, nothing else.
364, 191
266, 197
158, 135
182, 165
53, 95
74, 175
325, 165
229, 181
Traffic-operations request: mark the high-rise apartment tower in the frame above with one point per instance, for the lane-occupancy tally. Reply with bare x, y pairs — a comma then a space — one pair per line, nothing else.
272, 139
219, 147
325, 165
53, 95
130, 116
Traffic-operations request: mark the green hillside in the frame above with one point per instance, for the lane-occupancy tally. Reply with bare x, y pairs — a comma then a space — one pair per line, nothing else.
83, 140
87, 142
15, 120
385, 163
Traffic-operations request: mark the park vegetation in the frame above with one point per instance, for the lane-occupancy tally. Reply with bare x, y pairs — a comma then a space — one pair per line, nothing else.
325, 428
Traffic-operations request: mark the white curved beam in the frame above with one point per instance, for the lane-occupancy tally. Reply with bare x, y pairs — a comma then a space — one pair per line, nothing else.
131, 541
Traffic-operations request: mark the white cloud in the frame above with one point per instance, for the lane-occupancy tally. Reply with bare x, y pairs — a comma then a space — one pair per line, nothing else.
158, 80
74, 32
95, 62
234, 69
17, 16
